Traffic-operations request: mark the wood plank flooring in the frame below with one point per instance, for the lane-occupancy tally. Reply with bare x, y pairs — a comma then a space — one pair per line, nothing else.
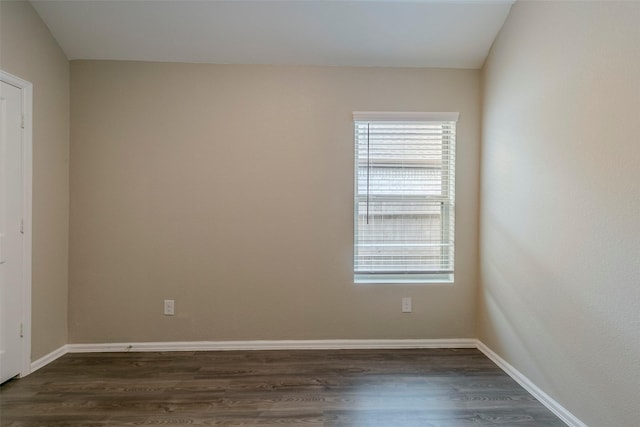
430, 387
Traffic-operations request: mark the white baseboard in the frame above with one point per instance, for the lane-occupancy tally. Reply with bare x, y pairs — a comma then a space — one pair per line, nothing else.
45, 360
273, 345
551, 404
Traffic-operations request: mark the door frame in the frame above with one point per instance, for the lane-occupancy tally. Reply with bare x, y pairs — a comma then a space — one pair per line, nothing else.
26, 88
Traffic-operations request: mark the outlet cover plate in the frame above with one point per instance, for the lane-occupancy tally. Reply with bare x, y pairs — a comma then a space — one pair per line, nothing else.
169, 307
406, 305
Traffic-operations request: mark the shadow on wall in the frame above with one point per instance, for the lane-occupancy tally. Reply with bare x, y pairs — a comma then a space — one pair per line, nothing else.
525, 316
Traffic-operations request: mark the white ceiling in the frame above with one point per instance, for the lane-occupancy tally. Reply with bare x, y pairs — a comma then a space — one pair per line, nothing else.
395, 33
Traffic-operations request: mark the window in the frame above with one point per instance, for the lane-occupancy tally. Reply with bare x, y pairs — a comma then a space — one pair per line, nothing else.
404, 197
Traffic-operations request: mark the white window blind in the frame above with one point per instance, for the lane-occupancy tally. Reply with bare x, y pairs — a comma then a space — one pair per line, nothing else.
404, 196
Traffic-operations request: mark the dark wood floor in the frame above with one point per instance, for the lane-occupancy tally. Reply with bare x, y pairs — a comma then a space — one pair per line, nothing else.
433, 387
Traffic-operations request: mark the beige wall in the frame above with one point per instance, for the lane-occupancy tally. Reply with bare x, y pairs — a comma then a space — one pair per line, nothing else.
560, 217
230, 188
28, 50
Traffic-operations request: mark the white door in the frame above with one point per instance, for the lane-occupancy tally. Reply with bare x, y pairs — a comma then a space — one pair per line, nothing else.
11, 231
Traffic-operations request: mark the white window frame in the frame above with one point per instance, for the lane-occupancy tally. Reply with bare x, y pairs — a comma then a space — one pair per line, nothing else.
406, 277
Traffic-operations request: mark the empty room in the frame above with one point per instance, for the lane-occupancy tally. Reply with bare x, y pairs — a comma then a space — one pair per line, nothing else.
320, 213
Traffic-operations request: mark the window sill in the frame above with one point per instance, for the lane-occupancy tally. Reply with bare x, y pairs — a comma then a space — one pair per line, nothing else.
399, 279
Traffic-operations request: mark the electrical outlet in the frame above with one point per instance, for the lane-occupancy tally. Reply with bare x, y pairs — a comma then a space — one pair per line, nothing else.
169, 307
406, 305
